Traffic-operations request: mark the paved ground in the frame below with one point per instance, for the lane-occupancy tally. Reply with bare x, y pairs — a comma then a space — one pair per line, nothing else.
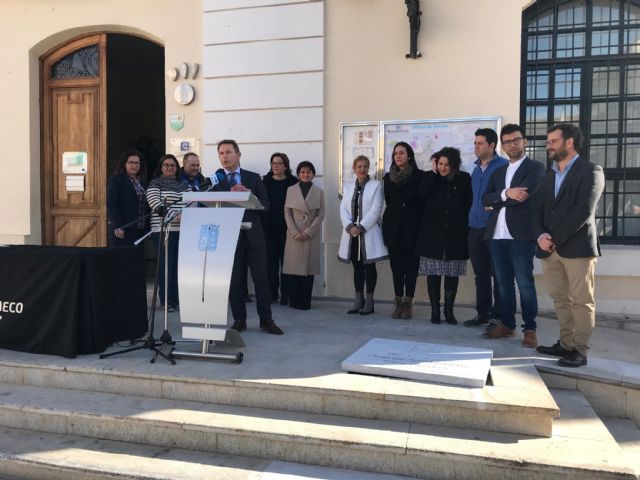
316, 341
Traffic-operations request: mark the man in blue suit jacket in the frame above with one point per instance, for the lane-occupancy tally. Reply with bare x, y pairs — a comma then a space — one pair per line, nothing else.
513, 245
251, 249
565, 227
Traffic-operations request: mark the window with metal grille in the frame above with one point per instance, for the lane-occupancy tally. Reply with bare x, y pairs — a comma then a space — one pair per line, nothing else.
581, 64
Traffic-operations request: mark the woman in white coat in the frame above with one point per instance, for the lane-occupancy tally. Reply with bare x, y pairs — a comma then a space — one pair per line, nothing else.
361, 242
303, 213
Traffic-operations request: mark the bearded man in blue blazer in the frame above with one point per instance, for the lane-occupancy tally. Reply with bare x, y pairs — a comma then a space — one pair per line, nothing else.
565, 226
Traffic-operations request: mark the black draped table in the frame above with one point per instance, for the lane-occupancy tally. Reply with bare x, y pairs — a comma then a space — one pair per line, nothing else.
70, 300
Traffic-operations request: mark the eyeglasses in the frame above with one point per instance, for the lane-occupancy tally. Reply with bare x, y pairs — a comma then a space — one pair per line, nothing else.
515, 141
553, 141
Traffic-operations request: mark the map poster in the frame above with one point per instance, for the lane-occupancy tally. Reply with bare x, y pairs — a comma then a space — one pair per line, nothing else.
428, 136
358, 139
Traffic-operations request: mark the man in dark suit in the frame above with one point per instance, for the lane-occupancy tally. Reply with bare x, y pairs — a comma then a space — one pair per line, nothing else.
251, 249
513, 245
565, 227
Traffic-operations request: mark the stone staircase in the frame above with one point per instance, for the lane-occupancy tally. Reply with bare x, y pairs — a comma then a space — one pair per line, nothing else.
81, 422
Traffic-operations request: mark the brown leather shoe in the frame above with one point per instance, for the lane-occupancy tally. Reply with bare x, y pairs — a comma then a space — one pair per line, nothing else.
239, 325
272, 328
499, 332
530, 339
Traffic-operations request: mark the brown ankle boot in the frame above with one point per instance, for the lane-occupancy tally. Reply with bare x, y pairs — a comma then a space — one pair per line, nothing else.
397, 308
407, 308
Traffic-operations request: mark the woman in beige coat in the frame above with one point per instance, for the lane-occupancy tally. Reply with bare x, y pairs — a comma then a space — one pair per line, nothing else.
303, 212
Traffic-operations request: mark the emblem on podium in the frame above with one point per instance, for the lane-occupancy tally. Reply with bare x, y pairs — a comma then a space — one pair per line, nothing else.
208, 242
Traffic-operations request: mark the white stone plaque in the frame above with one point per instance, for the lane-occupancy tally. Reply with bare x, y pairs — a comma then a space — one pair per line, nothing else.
433, 362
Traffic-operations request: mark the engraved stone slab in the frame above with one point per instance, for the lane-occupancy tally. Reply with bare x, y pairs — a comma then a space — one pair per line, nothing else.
433, 362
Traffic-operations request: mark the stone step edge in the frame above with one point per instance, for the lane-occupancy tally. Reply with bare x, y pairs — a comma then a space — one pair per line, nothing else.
473, 405
106, 459
462, 414
380, 458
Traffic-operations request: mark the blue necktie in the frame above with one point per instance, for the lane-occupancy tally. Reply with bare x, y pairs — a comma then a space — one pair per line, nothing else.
232, 178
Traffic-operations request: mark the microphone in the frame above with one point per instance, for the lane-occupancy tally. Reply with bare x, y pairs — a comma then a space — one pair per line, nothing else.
218, 177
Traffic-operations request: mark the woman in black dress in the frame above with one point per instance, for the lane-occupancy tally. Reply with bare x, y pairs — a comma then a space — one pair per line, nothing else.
442, 241
400, 224
276, 182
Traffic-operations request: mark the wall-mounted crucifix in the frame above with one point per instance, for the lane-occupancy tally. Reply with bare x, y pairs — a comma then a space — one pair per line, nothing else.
414, 13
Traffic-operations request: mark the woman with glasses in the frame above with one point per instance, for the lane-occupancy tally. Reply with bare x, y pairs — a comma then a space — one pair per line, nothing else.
442, 240
304, 213
164, 197
276, 183
126, 201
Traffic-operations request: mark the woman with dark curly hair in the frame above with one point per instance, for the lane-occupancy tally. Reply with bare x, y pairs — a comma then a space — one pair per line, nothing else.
400, 223
442, 241
126, 200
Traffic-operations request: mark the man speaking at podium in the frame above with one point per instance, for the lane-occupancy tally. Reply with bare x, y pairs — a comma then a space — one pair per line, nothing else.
252, 248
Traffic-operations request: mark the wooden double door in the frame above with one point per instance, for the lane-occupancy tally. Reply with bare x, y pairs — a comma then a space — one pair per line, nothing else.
74, 156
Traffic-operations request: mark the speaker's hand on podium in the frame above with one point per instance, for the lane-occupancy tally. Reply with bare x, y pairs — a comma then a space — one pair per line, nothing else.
238, 187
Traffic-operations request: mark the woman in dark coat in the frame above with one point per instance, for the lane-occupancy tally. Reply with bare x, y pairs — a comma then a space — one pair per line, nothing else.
276, 183
442, 241
126, 200
400, 224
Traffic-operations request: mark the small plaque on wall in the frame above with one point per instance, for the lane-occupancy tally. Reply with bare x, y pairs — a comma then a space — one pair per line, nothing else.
74, 162
74, 183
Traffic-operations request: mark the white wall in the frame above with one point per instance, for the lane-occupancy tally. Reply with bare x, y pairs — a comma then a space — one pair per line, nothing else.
263, 86
264, 82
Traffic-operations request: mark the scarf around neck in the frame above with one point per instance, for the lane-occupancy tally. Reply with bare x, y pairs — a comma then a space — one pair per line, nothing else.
398, 176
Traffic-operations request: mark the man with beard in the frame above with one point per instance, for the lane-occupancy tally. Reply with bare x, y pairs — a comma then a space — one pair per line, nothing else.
191, 175
513, 243
565, 226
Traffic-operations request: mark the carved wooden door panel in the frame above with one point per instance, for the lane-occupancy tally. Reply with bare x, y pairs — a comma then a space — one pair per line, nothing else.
74, 143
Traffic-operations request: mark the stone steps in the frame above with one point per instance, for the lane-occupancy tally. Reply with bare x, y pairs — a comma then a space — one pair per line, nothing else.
32, 455
516, 402
581, 449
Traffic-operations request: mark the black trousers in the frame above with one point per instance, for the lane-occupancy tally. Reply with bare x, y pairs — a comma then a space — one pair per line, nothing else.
404, 268
487, 294
275, 257
256, 259
300, 288
364, 273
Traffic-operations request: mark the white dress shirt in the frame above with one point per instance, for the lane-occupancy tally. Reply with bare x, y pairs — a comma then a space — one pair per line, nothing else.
502, 231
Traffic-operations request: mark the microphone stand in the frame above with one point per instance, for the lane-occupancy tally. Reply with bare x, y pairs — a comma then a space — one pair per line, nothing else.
150, 342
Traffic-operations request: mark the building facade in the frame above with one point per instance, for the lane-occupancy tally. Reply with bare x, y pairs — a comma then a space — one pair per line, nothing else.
281, 75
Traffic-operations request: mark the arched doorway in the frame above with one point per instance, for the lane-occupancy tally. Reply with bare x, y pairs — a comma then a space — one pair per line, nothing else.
101, 94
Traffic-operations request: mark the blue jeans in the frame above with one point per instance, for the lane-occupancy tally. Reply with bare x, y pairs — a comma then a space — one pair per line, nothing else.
513, 260
172, 267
